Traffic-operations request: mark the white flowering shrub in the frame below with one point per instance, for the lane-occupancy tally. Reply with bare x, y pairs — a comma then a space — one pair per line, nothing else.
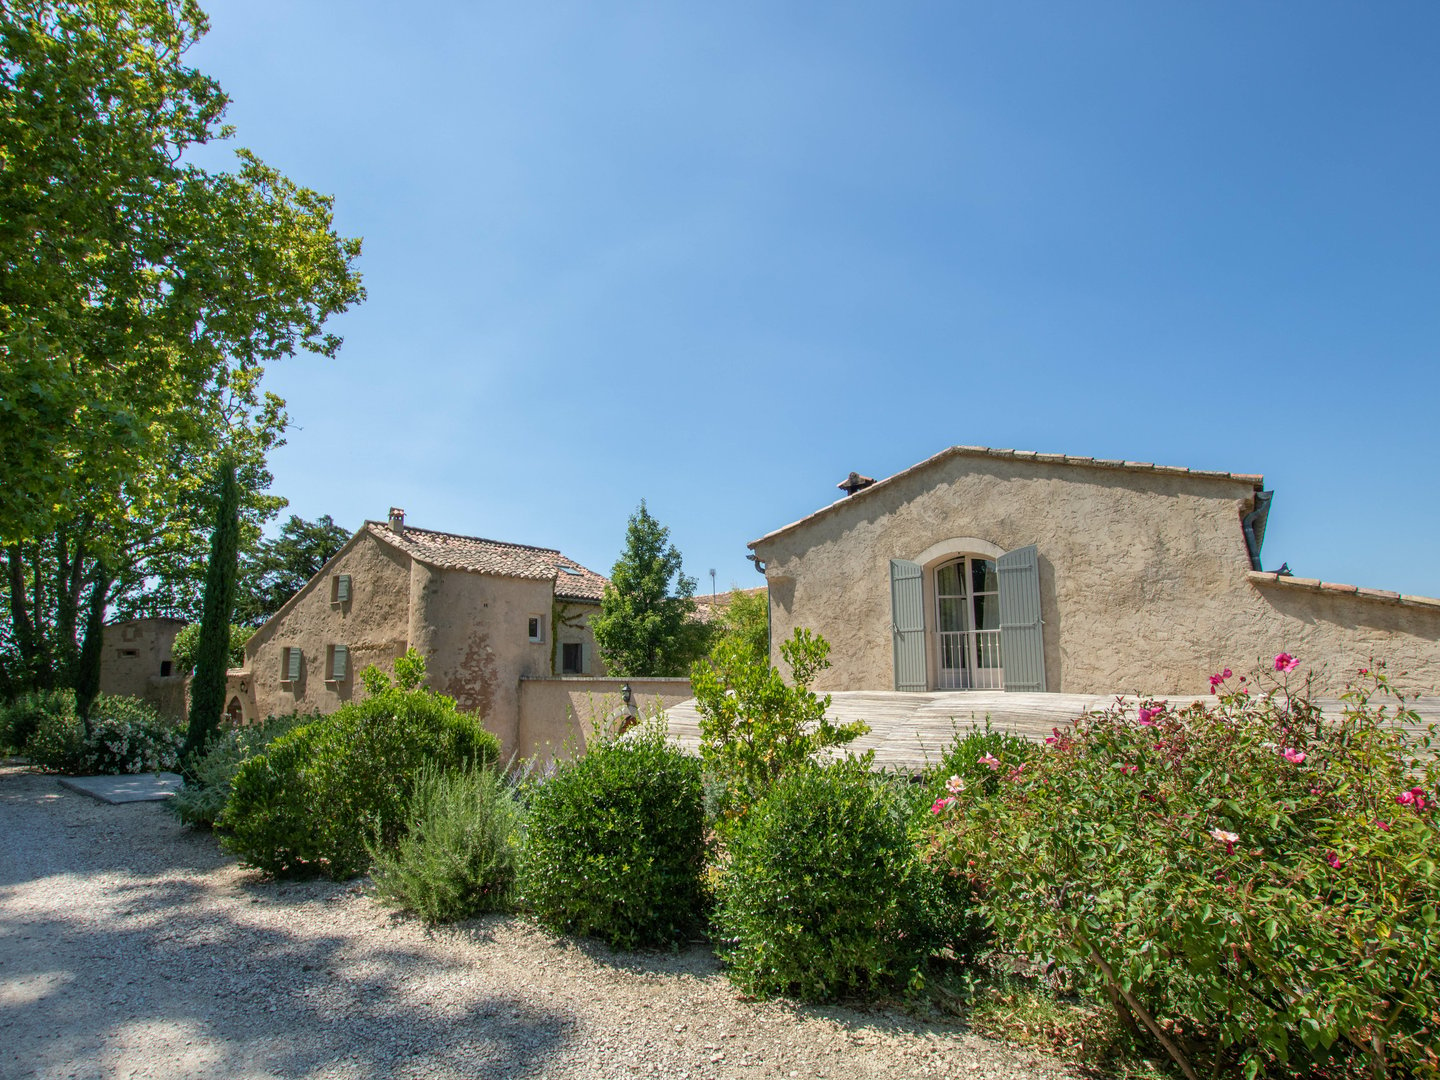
125, 736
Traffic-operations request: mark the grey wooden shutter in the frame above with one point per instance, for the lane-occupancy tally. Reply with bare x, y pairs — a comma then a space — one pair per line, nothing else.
338, 663
907, 624
342, 589
1021, 645
292, 665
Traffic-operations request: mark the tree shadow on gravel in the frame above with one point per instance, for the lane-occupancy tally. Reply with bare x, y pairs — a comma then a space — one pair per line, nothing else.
112, 963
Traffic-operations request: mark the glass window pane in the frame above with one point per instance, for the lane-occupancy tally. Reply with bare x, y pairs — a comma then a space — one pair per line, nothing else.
947, 580
987, 612
952, 614
982, 575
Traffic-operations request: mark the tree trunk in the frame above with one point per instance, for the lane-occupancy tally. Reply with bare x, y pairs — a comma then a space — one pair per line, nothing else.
20, 621
212, 653
87, 665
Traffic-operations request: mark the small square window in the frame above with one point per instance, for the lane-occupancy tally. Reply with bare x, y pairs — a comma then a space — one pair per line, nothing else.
166, 666
537, 627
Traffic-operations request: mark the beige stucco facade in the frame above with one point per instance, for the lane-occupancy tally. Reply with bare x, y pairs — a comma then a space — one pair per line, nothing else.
136, 661
1145, 578
560, 717
480, 628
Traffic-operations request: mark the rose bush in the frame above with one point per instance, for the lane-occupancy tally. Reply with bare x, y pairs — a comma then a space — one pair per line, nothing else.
1252, 885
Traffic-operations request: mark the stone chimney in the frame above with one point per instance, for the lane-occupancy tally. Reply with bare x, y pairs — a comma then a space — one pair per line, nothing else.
855, 482
397, 519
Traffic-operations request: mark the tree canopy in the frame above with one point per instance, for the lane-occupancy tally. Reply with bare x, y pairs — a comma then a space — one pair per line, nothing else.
646, 624
141, 297
277, 569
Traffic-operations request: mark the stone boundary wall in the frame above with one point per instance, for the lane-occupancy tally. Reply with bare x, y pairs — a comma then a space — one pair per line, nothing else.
559, 716
1342, 627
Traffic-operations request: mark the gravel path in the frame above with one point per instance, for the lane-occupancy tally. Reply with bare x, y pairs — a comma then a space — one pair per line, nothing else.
130, 947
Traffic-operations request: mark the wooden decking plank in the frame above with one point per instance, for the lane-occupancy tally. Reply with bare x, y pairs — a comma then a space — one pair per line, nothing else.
907, 730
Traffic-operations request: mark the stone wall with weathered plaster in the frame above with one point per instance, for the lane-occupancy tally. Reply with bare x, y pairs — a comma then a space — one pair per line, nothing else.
373, 625
133, 652
1143, 577
560, 716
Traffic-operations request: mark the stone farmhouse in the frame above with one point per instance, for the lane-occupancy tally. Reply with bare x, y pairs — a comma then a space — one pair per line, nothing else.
485, 615
1005, 570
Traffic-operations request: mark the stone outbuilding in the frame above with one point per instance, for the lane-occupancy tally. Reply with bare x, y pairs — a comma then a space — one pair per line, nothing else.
484, 615
1019, 571
136, 661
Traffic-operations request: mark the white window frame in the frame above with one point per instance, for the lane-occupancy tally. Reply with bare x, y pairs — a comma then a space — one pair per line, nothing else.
982, 661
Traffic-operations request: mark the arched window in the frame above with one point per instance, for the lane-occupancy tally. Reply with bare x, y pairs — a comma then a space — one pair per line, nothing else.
967, 625
234, 714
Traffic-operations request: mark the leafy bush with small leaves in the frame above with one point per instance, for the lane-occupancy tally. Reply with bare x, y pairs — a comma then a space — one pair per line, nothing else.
206, 792
320, 798
825, 893
124, 736
457, 855
21, 717
1253, 886
187, 641
615, 845
755, 726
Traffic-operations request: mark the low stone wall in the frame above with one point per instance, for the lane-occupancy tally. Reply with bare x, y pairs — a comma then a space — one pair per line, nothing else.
170, 694
560, 716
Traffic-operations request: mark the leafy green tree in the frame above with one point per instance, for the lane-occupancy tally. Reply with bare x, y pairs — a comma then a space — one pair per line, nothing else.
186, 646
207, 688
646, 625
140, 299
279, 568
742, 628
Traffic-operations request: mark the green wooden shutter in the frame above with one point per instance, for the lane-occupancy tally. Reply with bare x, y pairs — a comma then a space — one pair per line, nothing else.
342, 589
292, 664
338, 663
1021, 641
907, 624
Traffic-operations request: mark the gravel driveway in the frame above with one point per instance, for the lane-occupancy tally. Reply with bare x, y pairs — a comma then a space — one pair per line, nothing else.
130, 947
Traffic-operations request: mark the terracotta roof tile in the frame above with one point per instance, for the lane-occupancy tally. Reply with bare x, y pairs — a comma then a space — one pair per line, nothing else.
450, 551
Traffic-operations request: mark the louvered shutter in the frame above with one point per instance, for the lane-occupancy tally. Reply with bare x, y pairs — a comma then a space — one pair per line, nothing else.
1021, 641
907, 624
338, 662
292, 665
342, 589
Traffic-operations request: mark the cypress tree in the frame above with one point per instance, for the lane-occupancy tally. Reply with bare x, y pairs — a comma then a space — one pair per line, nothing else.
207, 686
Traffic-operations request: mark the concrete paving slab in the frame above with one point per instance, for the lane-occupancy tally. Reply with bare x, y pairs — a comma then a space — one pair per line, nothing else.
143, 787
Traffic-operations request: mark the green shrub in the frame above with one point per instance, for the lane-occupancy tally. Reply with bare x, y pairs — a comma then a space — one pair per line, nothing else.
21, 717
756, 726
125, 736
1249, 884
207, 791
457, 855
323, 795
614, 844
825, 894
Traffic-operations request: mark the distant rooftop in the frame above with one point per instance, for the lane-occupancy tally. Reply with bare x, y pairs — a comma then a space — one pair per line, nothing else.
451, 551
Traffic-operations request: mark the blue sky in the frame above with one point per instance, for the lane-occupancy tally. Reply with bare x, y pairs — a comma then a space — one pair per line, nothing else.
716, 256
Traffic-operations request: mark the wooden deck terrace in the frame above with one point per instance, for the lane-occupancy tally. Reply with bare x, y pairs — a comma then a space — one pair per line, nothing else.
909, 730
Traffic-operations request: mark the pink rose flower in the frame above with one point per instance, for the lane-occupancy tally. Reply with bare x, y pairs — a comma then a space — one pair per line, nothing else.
1406, 798
1147, 716
1286, 662
1128, 769
1333, 858
989, 761
940, 804
1295, 757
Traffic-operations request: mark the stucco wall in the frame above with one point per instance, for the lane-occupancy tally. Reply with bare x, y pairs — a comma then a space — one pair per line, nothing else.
373, 624
477, 647
559, 716
132, 654
1143, 577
